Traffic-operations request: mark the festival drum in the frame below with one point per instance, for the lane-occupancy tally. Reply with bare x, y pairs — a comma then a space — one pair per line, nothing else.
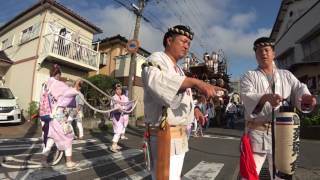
287, 142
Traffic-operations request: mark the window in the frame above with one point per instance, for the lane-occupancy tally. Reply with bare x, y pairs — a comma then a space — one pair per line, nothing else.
104, 57
286, 59
6, 43
30, 33
311, 47
5, 93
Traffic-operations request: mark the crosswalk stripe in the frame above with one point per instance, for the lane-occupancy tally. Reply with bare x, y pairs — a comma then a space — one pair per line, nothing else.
220, 137
204, 171
28, 140
14, 140
136, 176
34, 174
84, 149
87, 148
13, 147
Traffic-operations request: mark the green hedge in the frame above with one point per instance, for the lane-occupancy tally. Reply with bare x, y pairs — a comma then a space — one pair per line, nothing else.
33, 110
311, 119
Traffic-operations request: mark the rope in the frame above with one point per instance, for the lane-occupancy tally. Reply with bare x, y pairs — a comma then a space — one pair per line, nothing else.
108, 111
30, 164
107, 95
110, 97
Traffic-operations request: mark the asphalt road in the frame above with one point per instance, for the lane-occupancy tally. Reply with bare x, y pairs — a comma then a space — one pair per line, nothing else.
214, 156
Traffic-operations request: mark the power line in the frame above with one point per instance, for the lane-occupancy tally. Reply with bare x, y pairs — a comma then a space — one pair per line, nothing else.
123, 4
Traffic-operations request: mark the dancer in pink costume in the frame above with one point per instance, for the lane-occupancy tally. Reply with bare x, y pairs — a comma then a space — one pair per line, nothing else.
60, 130
119, 119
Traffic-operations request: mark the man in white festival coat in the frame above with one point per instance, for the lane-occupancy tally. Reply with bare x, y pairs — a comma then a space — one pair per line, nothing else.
259, 99
169, 87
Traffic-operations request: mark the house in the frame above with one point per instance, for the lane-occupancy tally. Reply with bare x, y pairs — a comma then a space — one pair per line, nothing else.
115, 62
5, 64
45, 33
297, 40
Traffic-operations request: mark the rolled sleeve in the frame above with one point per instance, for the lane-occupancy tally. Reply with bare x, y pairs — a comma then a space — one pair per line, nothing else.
163, 87
251, 97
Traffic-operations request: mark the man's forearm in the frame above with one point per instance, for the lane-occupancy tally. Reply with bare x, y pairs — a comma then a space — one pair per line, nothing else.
259, 106
189, 83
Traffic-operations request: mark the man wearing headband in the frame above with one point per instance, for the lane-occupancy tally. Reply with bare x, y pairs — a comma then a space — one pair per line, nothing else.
167, 93
262, 90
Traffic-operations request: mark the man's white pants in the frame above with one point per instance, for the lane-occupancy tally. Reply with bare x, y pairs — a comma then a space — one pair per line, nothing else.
176, 162
259, 159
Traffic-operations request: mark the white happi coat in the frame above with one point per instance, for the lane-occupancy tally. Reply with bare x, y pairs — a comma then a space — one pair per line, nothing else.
161, 88
254, 84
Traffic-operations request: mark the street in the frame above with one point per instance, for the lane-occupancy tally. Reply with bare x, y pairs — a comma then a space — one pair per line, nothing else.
213, 156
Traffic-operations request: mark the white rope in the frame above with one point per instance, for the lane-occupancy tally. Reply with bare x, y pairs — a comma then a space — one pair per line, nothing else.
108, 111
110, 97
32, 164
107, 95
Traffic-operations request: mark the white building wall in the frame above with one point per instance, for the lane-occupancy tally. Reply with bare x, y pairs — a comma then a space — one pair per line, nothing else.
25, 50
299, 29
123, 65
20, 78
27, 76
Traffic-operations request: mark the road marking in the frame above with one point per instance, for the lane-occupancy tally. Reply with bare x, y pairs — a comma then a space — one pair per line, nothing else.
204, 171
19, 147
220, 137
81, 149
34, 174
136, 176
13, 147
27, 140
89, 148
20, 140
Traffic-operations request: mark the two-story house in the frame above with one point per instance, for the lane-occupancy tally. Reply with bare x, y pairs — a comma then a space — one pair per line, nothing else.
297, 36
115, 62
44, 34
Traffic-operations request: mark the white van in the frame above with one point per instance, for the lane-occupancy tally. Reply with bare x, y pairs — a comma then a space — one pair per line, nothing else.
9, 108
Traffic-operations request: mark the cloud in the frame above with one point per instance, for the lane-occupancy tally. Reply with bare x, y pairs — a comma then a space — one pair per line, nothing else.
217, 24
242, 20
237, 43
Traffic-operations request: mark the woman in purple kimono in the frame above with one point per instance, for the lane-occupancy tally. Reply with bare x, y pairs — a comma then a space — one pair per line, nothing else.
60, 130
119, 119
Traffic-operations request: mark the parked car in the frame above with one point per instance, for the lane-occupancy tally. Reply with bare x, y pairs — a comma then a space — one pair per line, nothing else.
10, 111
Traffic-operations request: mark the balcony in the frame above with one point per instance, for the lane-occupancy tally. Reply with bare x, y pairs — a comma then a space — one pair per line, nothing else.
59, 49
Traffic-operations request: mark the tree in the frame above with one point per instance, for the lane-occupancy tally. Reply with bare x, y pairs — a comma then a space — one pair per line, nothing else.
94, 97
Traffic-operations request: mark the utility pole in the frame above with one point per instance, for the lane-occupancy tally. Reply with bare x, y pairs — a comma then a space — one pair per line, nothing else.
132, 70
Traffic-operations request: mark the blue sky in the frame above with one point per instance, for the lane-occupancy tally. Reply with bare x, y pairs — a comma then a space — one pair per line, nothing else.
230, 25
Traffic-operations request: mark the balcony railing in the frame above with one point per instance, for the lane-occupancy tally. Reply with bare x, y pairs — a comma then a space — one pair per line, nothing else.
61, 48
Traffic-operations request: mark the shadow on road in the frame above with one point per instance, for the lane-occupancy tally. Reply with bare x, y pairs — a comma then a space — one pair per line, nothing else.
19, 132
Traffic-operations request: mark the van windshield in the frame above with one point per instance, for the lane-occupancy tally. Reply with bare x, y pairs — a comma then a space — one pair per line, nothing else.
5, 93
